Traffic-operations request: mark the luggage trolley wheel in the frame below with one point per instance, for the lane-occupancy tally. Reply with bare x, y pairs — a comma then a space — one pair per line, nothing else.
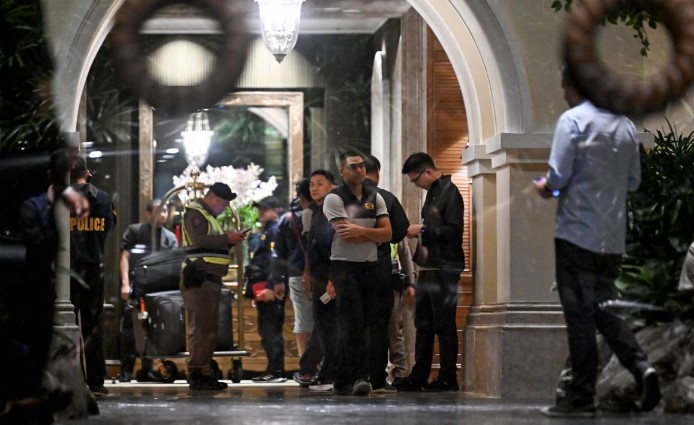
168, 371
236, 372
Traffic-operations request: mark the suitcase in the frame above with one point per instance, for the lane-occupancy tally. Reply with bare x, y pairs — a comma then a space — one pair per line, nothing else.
166, 329
159, 271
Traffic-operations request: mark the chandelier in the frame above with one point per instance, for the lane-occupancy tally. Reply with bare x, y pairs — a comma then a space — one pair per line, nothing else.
279, 25
196, 139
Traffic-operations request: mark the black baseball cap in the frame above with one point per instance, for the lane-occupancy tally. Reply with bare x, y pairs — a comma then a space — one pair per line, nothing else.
223, 191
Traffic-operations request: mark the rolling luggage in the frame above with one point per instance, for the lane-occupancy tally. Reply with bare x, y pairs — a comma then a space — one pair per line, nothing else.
165, 323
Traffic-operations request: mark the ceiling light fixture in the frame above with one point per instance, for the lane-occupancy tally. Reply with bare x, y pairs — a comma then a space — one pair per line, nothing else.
279, 25
196, 139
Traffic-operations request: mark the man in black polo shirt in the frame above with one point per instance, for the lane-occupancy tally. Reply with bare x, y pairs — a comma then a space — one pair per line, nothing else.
440, 259
360, 219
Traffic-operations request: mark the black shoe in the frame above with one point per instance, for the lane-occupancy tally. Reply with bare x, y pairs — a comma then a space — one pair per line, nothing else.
566, 410
399, 382
125, 376
407, 385
98, 390
650, 390
361, 387
147, 376
207, 383
440, 384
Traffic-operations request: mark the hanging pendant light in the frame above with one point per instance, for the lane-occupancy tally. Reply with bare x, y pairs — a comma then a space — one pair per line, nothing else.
279, 25
196, 139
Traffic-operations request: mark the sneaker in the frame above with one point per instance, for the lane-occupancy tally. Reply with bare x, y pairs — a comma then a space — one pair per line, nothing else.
361, 387
566, 410
385, 389
99, 390
207, 384
269, 379
321, 386
304, 379
650, 390
440, 384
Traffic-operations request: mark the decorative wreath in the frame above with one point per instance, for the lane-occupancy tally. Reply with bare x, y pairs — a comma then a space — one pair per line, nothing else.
616, 93
132, 65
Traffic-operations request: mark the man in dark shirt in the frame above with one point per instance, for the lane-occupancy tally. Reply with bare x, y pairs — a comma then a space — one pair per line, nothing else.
87, 243
383, 294
137, 243
440, 259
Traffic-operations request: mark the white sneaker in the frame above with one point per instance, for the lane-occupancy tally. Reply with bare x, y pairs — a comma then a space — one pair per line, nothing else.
321, 387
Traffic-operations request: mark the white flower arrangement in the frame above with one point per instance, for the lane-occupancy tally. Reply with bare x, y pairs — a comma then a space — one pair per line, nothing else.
244, 182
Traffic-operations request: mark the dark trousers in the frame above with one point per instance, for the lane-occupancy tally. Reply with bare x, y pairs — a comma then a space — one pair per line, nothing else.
270, 328
323, 341
128, 352
88, 300
585, 279
436, 300
353, 285
202, 323
381, 306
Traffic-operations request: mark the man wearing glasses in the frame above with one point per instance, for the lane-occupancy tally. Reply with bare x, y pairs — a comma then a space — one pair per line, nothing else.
359, 217
440, 259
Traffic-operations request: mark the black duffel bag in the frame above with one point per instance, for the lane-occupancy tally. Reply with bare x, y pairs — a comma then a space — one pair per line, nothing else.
159, 271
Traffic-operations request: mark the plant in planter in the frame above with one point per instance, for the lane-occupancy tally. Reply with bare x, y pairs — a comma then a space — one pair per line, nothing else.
661, 222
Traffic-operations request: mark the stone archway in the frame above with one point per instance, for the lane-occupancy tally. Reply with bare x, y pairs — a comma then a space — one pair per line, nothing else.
480, 45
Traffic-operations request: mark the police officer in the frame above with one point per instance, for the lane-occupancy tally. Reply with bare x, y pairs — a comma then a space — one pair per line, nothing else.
201, 282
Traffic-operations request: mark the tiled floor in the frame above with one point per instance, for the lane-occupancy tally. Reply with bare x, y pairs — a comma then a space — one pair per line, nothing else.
287, 404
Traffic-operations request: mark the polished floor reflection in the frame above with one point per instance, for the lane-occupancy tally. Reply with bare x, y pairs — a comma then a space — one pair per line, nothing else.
287, 404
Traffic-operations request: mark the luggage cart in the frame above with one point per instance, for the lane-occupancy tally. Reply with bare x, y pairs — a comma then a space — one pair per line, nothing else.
161, 335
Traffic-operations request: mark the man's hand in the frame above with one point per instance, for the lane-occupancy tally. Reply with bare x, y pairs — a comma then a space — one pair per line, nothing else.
541, 187
125, 291
235, 237
330, 289
280, 291
348, 231
408, 296
76, 202
414, 230
266, 295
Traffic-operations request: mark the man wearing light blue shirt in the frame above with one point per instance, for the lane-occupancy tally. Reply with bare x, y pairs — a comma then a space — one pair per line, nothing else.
593, 164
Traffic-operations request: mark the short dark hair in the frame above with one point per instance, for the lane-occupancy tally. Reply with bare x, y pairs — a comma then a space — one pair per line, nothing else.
149, 206
78, 168
373, 165
325, 173
347, 154
418, 162
566, 77
303, 189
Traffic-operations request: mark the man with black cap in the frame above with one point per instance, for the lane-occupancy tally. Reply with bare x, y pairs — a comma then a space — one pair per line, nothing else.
201, 281
269, 303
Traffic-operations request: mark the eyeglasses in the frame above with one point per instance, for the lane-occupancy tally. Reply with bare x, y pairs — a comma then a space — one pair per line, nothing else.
355, 167
416, 179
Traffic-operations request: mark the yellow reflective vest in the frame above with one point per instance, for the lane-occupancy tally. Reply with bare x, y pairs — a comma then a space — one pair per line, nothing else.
218, 257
